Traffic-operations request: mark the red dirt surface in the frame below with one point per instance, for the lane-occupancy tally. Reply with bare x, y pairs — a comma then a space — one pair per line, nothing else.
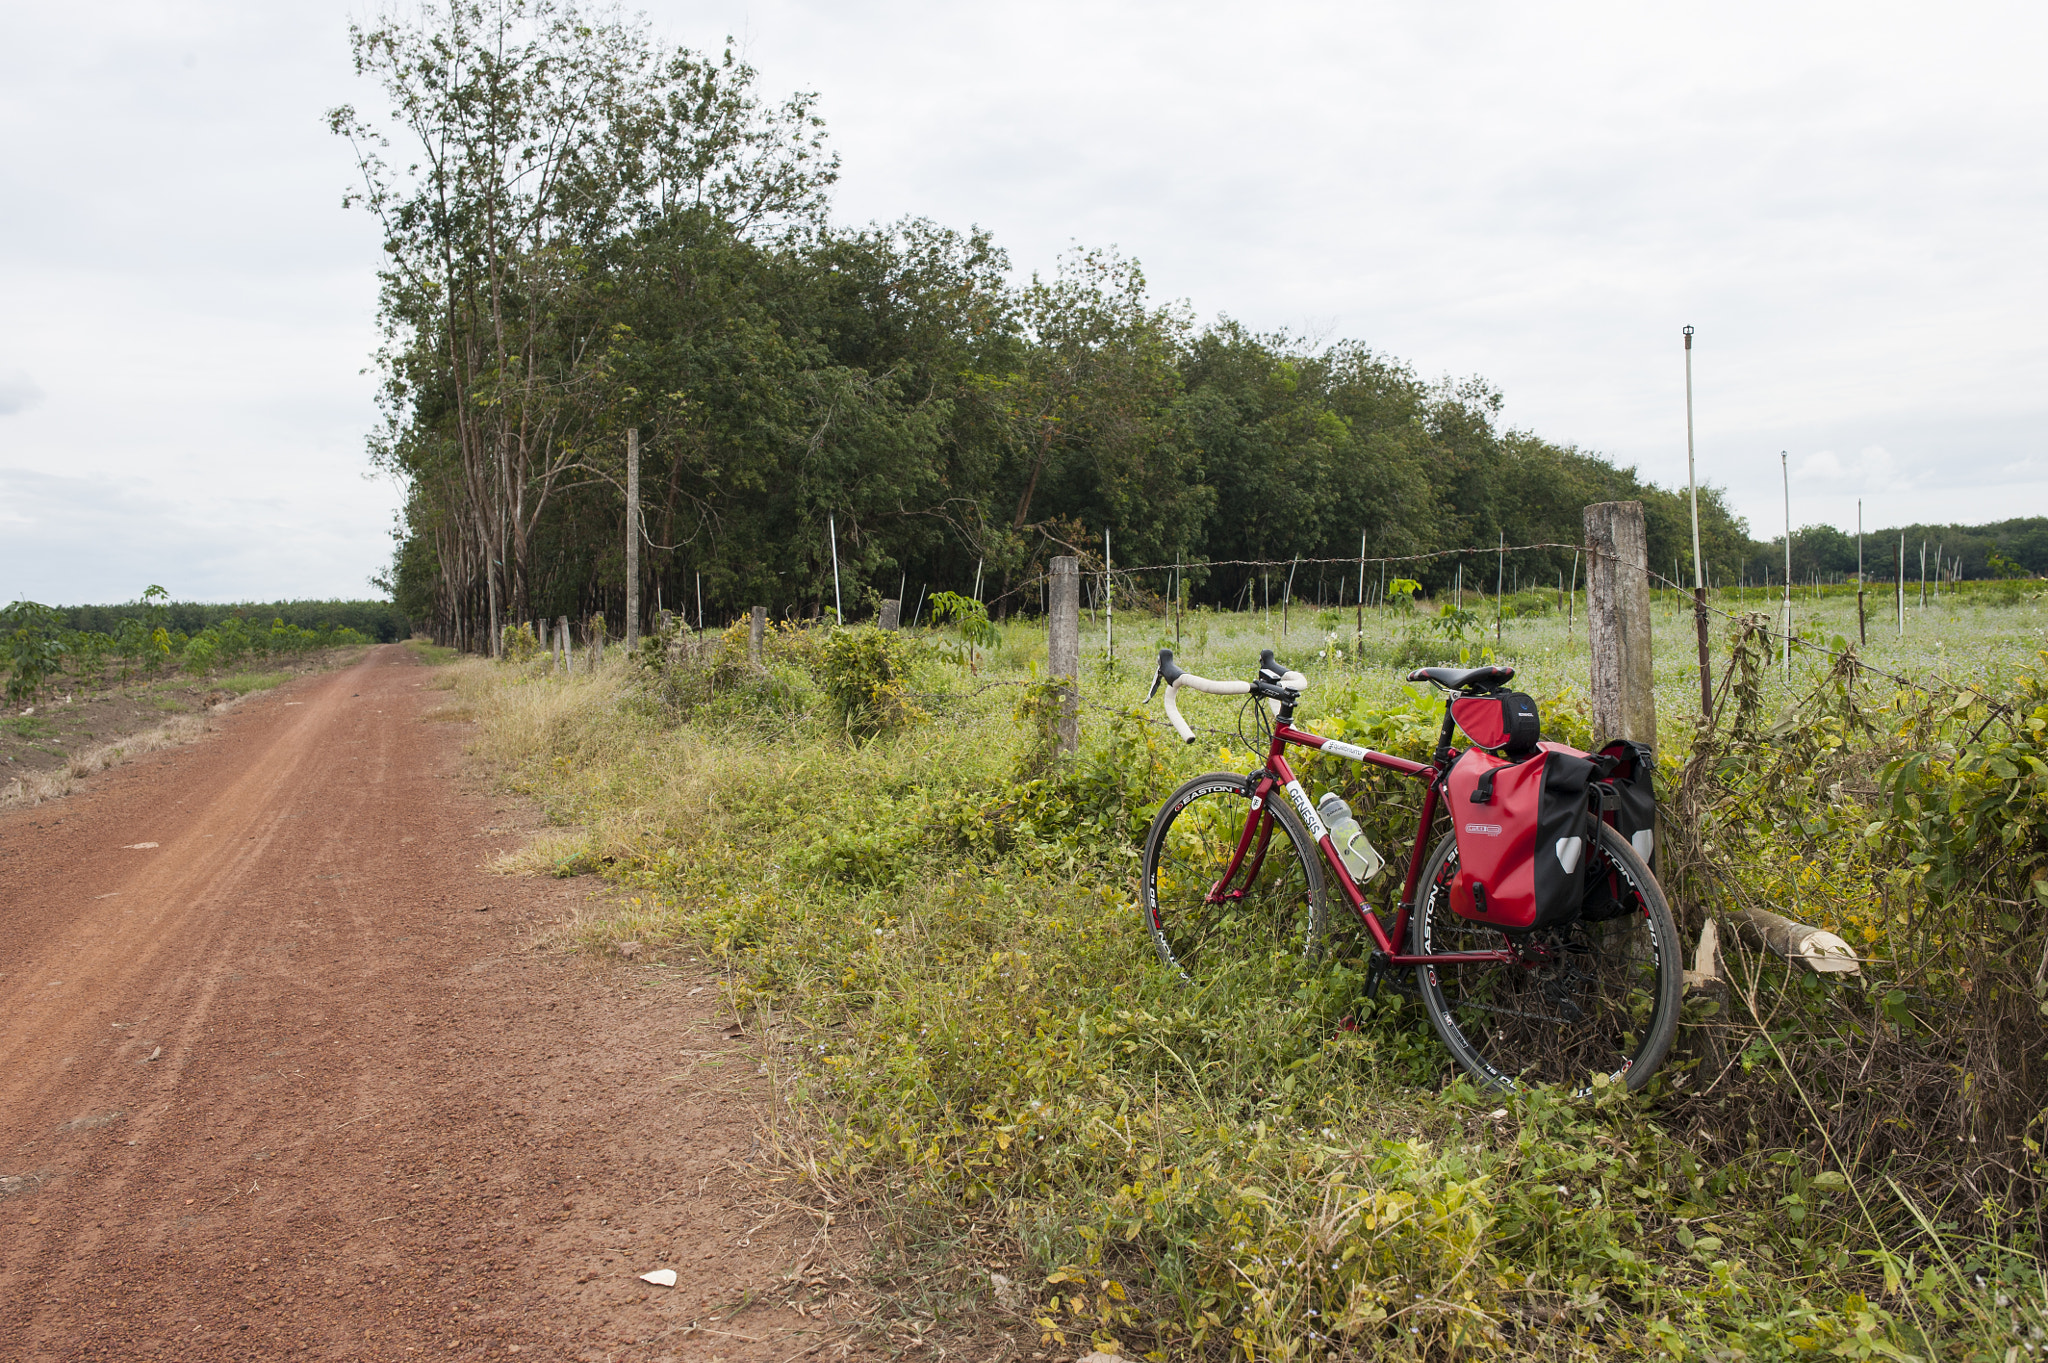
284, 1073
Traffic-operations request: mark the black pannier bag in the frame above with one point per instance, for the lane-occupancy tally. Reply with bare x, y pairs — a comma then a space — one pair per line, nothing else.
1523, 828
1634, 814
1631, 813
1503, 721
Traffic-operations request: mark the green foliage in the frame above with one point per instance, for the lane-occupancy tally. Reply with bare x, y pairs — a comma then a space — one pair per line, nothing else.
242, 683
862, 671
201, 653
1401, 593
375, 621
942, 922
519, 643
977, 633
35, 648
1453, 621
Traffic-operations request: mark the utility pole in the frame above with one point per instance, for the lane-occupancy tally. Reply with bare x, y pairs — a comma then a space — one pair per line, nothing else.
632, 538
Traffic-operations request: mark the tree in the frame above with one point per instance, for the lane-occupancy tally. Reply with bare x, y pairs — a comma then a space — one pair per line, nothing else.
541, 134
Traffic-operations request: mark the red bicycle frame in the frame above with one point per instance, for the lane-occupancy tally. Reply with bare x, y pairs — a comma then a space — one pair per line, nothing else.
1278, 776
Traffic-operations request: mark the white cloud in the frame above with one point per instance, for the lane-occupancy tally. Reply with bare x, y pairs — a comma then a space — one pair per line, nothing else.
1540, 195
1820, 466
18, 392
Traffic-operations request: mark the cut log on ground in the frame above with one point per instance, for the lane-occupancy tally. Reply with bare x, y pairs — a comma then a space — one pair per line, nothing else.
1815, 948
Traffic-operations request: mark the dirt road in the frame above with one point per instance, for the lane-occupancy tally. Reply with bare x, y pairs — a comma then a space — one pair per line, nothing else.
283, 1074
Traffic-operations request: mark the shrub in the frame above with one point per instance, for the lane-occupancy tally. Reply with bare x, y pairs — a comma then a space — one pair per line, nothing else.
35, 648
520, 645
861, 670
202, 651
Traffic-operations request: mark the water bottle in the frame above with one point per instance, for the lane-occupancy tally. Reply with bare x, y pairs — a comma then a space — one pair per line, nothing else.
1358, 854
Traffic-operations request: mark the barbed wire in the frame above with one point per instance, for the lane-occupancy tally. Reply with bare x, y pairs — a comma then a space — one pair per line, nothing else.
1756, 621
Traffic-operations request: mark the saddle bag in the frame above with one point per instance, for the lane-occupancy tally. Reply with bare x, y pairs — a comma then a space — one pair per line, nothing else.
1523, 828
1503, 721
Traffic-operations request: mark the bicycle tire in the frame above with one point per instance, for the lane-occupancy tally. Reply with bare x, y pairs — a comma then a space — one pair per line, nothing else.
1280, 911
1509, 1024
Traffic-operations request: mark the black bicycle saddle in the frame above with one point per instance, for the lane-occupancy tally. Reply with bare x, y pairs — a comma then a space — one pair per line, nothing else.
1464, 678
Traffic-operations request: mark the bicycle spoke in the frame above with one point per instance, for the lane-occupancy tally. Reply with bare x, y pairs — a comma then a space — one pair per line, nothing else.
1584, 999
1209, 916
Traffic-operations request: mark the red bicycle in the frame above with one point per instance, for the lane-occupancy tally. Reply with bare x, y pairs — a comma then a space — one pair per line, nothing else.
1233, 882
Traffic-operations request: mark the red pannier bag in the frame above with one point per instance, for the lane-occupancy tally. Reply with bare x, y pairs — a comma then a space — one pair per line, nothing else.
1523, 830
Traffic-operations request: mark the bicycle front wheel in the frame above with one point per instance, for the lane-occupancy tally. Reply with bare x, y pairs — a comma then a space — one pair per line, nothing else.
1596, 996
1208, 920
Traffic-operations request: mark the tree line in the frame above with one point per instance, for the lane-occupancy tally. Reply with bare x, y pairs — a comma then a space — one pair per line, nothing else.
588, 233
378, 621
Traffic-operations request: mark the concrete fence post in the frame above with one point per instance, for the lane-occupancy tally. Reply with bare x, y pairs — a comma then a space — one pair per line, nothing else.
1618, 617
1063, 646
632, 536
757, 628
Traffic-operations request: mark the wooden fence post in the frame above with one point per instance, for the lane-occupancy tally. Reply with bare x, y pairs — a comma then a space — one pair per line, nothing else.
1618, 616
890, 611
757, 626
562, 644
1063, 646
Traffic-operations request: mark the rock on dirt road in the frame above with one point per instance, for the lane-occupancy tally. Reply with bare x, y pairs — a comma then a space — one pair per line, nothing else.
284, 1073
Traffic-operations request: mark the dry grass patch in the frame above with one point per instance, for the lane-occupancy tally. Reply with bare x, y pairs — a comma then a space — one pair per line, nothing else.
35, 788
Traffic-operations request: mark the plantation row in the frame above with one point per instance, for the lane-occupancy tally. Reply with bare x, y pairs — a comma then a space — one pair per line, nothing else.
41, 652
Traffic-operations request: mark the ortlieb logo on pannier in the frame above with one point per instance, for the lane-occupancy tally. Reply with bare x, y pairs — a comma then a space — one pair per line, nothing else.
1522, 830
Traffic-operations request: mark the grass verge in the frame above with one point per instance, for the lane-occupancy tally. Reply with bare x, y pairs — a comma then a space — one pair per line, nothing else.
942, 919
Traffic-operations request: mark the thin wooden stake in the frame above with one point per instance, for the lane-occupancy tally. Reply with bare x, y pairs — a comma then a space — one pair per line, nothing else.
1287, 598
1358, 636
1108, 602
1500, 573
1571, 597
1862, 635
838, 604
1901, 589
1785, 470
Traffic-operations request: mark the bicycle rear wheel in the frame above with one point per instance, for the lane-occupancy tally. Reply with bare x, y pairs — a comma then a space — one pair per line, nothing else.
1271, 910
1603, 999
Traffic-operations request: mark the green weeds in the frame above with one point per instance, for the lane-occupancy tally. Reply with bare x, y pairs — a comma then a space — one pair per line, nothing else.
939, 920
432, 654
242, 683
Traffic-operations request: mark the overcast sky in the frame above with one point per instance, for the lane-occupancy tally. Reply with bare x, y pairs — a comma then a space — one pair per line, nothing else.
1847, 201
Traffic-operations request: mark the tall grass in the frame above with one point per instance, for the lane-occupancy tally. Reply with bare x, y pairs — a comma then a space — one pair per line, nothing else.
941, 918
